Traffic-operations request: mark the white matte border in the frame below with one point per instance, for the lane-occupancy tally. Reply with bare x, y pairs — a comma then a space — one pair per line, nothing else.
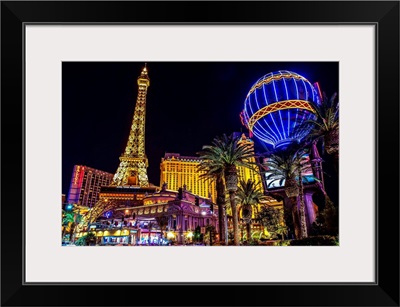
48, 45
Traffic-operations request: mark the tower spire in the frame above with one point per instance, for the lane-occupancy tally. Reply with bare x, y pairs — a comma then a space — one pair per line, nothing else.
132, 169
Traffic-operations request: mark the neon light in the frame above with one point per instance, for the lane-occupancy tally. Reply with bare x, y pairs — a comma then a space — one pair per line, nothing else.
266, 134
316, 84
262, 112
287, 98
273, 137
277, 106
280, 115
263, 137
241, 118
271, 77
266, 102
251, 109
76, 175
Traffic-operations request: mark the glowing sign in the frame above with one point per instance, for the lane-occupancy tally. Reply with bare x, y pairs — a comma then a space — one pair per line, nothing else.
76, 175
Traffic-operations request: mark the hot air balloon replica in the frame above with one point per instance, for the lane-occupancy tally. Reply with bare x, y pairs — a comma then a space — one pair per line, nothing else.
276, 105
275, 111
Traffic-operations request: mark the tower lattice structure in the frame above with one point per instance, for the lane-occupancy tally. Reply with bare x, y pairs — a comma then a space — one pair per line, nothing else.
132, 169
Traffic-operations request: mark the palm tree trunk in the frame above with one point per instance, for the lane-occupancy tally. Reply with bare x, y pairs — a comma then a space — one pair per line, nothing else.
221, 223
336, 162
296, 220
64, 231
248, 234
231, 181
236, 239
332, 147
71, 232
225, 226
221, 212
303, 225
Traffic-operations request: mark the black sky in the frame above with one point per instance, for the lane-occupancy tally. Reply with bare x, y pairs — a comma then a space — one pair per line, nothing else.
188, 104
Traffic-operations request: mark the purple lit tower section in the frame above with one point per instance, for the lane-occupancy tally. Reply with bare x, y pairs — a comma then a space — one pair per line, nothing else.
275, 106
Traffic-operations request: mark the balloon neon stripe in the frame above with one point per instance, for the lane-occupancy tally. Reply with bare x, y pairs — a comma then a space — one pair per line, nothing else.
277, 106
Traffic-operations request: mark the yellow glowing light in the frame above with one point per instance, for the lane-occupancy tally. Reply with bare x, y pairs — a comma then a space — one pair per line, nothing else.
126, 211
190, 234
170, 235
277, 106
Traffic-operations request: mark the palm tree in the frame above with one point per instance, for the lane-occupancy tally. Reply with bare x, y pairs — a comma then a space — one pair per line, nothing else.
77, 221
211, 171
90, 238
326, 126
287, 166
282, 167
67, 220
249, 195
224, 155
282, 230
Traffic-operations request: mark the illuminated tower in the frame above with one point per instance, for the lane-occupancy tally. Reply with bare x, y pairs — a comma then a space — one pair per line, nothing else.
132, 169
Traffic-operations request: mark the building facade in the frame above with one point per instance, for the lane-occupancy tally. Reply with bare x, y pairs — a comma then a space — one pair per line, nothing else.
181, 210
86, 183
178, 171
246, 173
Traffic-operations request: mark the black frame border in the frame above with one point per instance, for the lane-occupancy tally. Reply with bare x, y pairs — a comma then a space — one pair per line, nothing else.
16, 14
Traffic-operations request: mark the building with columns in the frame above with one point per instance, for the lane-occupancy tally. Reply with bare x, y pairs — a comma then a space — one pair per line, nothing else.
141, 225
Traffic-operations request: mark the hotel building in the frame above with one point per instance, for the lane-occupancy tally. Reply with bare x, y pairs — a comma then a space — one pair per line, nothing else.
178, 171
86, 183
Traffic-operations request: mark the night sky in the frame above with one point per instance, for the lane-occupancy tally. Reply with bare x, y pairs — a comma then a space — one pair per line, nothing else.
188, 104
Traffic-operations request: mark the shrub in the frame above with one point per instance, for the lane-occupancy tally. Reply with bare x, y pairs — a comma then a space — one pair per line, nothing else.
282, 243
316, 241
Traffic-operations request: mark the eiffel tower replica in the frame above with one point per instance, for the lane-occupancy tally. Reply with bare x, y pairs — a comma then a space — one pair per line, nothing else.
130, 183
133, 164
